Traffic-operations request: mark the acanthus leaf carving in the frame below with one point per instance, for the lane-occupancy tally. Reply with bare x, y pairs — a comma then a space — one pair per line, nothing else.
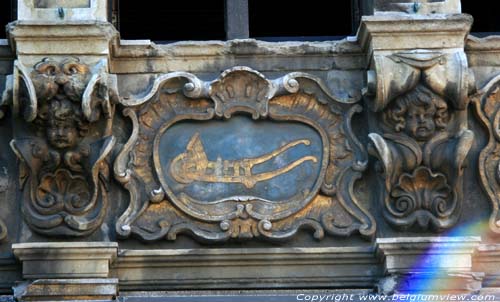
420, 136
186, 182
63, 114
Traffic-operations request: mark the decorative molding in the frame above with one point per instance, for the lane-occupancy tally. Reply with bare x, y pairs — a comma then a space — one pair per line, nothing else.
411, 263
66, 271
92, 290
164, 184
343, 267
62, 136
378, 34
487, 260
57, 260
402, 254
487, 110
420, 135
444, 73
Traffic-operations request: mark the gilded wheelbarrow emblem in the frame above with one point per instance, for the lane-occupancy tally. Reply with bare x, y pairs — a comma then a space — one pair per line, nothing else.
193, 165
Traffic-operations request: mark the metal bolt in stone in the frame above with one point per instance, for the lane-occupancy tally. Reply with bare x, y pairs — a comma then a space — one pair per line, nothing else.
60, 12
416, 6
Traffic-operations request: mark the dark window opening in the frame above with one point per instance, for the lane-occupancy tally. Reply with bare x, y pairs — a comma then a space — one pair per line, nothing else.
167, 21
310, 20
486, 21
7, 14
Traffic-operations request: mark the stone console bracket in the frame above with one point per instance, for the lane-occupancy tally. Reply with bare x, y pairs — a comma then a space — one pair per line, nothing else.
419, 94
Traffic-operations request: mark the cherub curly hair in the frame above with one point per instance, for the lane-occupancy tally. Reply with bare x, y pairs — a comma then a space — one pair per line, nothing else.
421, 97
58, 110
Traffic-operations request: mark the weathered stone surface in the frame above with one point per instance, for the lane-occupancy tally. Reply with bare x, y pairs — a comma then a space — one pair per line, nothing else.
63, 170
413, 262
261, 295
263, 268
88, 40
62, 10
487, 260
310, 171
178, 117
431, 282
62, 3
417, 7
65, 259
420, 136
424, 254
207, 56
98, 290
396, 33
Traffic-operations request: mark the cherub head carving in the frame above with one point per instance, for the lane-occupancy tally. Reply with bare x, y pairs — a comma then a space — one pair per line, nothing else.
64, 123
59, 88
67, 79
419, 113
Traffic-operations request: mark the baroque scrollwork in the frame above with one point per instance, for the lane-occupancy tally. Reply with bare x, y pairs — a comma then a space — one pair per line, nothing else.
241, 157
487, 108
62, 136
421, 138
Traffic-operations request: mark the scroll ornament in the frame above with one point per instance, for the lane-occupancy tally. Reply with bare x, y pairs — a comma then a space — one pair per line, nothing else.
422, 140
241, 157
62, 136
487, 108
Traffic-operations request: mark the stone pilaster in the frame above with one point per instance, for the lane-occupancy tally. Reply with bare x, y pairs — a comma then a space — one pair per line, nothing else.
65, 271
428, 264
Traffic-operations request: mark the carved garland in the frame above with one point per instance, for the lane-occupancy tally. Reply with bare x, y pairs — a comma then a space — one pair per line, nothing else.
165, 168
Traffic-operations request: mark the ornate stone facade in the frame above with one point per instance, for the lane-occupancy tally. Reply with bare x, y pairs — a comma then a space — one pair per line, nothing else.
166, 167
321, 161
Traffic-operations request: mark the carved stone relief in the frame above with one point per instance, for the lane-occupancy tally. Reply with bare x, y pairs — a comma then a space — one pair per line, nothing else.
62, 137
487, 108
421, 137
241, 157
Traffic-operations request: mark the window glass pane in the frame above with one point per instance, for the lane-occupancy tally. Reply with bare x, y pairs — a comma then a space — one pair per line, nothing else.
171, 20
486, 19
5, 16
313, 18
